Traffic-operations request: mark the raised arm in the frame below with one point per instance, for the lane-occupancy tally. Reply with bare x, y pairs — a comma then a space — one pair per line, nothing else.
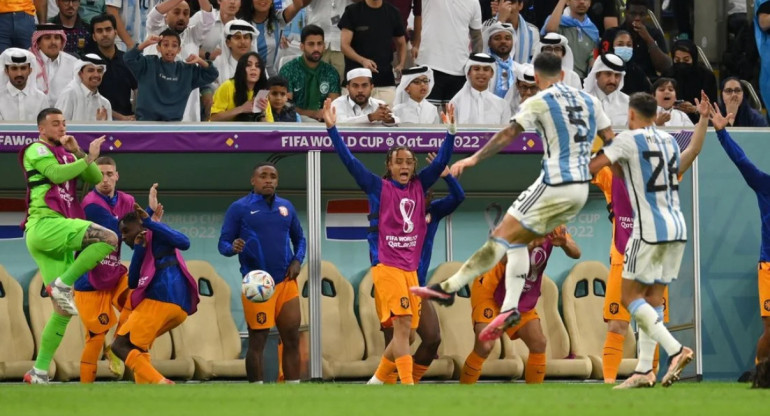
165, 233
552, 24
755, 178
430, 174
498, 142
688, 156
448, 204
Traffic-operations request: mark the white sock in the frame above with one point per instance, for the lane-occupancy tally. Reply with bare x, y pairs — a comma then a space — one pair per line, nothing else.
291, 382
515, 276
646, 353
375, 380
482, 260
650, 322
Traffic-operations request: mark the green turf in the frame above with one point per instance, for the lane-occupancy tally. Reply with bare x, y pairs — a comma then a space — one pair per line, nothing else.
355, 399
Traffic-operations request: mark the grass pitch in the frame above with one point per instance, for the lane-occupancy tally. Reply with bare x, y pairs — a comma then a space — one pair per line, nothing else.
214, 399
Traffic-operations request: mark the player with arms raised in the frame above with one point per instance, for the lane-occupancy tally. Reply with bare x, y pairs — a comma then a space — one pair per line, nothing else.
566, 119
651, 164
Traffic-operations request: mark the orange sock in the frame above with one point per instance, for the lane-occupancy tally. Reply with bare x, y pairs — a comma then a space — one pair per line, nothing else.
404, 365
534, 373
392, 378
385, 368
472, 368
655, 360
144, 372
612, 356
89, 357
418, 370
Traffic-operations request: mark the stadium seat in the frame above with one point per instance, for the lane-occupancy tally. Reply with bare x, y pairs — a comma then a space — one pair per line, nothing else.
16, 344
457, 336
582, 294
441, 368
67, 357
342, 343
209, 336
560, 362
751, 95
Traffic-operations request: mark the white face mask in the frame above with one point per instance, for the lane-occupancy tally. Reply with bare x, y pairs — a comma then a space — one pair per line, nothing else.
624, 52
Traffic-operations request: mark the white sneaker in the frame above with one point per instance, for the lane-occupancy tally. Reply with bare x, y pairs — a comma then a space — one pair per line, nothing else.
34, 376
637, 380
375, 380
63, 295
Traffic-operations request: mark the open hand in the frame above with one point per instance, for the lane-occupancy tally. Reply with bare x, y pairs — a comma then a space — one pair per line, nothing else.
143, 215
153, 197
94, 149
663, 118
457, 169
718, 120
157, 213
448, 118
329, 114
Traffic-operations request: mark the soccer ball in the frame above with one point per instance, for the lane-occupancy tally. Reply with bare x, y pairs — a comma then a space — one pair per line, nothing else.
258, 286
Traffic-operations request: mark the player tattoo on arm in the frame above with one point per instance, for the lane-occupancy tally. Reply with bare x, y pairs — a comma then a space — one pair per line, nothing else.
498, 142
98, 234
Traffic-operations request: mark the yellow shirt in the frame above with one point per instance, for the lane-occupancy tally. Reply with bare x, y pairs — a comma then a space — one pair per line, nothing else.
10, 6
224, 97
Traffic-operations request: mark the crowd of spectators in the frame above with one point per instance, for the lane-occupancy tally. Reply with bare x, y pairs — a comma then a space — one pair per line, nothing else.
380, 61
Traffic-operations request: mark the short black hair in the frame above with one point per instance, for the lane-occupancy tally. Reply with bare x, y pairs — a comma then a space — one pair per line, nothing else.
171, 32
101, 18
130, 218
45, 112
311, 30
637, 3
547, 64
644, 104
277, 81
263, 164
663, 81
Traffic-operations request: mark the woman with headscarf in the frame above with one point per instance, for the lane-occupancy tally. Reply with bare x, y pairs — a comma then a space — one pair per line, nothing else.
691, 77
410, 105
736, 108
635, 79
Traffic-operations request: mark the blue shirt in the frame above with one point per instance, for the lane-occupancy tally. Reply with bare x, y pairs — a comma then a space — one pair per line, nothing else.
757, 180
101, 216
438, 209
371, 184
270, 231
169, 284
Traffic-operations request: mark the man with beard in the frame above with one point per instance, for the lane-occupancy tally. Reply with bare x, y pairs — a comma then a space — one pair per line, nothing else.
311, 81
175, 15
499, 40
581, 33
56, 66
22, 101
526, 36
81, 100
117, 81
55, 227
359, 106
74, 27
605, 82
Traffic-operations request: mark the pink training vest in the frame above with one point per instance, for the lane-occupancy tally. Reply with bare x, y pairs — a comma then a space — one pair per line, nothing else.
61, 198
622, 212
401, 225
538, 259
107, 274
147, 274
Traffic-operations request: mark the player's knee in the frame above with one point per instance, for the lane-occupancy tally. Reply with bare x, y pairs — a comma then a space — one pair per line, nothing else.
617, 326
290, 341
483, 348
431, 339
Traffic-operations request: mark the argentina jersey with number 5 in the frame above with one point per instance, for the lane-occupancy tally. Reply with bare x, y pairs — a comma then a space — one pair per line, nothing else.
567, 120
650, 161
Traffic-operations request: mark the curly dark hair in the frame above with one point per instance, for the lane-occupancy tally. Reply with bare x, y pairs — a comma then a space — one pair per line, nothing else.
247, 13
762, 375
